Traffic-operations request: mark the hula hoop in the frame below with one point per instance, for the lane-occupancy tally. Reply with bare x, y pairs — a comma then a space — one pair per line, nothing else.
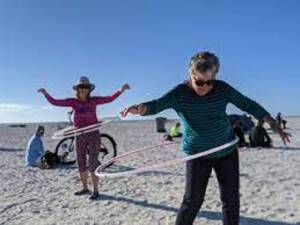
73, 132
74, 129
155, 167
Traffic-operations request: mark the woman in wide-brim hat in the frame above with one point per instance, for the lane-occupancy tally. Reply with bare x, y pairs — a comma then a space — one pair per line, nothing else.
84, 106
84, 82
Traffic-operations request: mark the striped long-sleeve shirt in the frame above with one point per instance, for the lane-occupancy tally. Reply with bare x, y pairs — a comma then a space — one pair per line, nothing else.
206, 124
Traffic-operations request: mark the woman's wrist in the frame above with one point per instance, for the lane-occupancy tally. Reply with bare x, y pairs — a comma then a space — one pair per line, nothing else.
273, 124
121, 91
142, 109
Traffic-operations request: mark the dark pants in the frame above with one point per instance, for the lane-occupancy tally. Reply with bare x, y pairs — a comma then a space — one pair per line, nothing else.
88, 144
198, 172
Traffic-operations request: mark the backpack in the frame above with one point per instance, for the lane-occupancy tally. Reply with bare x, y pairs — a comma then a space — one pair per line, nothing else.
50, 159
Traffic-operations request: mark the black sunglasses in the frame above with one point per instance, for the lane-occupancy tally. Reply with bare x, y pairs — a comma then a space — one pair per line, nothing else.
201, 83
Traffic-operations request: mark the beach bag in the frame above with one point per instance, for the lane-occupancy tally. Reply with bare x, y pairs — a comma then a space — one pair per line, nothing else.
50, 159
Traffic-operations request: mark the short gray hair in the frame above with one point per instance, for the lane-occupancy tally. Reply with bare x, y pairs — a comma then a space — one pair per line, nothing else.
203, 61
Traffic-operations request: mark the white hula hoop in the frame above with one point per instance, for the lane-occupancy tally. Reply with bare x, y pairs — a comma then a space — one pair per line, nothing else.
73, 129
73, 132
155, 167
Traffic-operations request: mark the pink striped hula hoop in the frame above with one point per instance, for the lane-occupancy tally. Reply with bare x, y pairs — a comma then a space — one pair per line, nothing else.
155, 167
74, 132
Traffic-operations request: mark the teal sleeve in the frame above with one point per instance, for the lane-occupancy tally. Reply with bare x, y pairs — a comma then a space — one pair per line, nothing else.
167, 101
246, 104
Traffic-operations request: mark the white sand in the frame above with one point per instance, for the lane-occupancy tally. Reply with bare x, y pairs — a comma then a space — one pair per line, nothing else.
270, 184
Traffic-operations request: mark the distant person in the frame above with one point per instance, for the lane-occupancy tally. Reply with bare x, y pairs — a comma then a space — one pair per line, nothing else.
279, 119
35, 149
281, 122
239, 132
284, 124
174, 132
259, 137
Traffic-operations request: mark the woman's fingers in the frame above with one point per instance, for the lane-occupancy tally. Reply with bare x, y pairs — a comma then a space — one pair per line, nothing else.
125, 87
42, 90
285, 137
124, 112
132, 109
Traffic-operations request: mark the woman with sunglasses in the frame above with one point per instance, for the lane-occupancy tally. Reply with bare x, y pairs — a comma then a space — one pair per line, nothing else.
84, 106
201, 102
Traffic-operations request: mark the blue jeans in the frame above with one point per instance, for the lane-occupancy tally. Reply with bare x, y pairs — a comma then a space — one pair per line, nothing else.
198, 172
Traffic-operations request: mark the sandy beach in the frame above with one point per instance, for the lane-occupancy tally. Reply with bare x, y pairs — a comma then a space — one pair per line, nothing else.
270, 183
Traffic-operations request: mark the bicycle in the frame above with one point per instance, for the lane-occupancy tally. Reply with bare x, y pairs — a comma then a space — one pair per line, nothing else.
65, 149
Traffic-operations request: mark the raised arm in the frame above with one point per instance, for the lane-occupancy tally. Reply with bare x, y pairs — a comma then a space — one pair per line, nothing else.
153, 107
107, 99
248, 105
57, 102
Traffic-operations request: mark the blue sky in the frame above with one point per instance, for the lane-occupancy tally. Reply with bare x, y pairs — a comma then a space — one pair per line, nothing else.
147, 44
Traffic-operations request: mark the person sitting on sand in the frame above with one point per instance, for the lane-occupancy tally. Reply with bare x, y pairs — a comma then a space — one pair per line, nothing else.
35, 149
259, 137
84, 106
174, 132
238, 131
201, 102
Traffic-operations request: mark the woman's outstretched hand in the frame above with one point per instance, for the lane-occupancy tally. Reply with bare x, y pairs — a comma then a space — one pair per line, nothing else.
284, 135
134, 109
277, 129
125, 87
42, 91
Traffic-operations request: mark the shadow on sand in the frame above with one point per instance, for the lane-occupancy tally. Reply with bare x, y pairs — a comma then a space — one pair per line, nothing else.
283, 148
203, 214
287, 148
120, 168
11, 150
